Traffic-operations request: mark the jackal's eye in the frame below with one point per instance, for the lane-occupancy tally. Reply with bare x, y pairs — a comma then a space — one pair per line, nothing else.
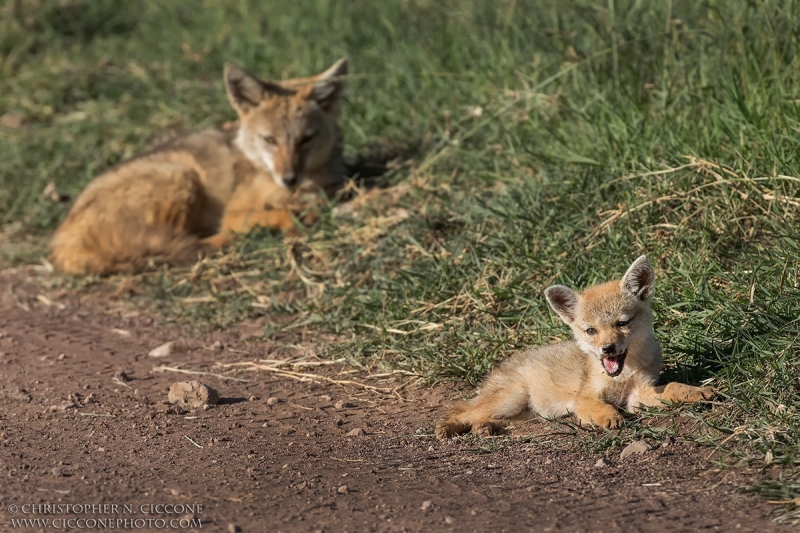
269, 139
309, 135
623, 323
591, 331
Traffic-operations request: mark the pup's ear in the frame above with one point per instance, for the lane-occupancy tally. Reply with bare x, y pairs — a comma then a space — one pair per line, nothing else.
639, 279
328, 86
564, 301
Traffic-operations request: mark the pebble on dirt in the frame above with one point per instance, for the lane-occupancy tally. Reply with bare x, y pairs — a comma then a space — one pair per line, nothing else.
168, 348
272, 400
357, 432
19, 394
637, 447
163, 350
192, 394
426, 505
343, 489
120, 375
602, 463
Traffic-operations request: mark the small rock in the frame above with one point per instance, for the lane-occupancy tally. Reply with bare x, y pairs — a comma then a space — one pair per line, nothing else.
52, 193
61, 356
357, 432
637, 447
343, 489
325, 398
57, 472
192, 394
602, 463
19, 394
120, 375
272, 401
233, 528
252, 398
448, 520
669, 441
217, 347
430, 448
12, 120
64, 406
426, 505
162, 351
339, 405
175, 492
339, 421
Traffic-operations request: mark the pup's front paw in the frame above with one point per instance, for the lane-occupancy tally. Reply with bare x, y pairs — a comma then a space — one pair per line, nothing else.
701, 393
679, 392
445, 430
606, 418
486, 428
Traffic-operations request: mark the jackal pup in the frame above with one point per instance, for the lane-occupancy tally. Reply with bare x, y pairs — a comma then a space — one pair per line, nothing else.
194, 192
613, 362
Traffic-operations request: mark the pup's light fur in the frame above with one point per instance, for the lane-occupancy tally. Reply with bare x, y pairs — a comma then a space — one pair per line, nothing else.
195, 192
614, 361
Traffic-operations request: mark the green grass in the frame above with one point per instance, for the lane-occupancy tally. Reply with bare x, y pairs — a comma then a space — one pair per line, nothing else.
550, 141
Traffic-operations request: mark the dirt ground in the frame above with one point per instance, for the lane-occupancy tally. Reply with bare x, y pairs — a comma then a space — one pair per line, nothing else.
277, 454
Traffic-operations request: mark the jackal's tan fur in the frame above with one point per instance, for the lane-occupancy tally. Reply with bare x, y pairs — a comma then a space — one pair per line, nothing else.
195, 192
613, 362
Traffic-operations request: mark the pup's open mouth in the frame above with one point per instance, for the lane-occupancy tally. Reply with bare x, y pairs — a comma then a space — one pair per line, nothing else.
613, 364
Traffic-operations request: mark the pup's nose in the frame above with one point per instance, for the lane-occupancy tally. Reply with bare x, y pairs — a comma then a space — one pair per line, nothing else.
609, 349
290, 180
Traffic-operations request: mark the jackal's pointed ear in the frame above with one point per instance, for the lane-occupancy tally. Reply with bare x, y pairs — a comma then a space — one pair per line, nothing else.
328, 86
639, 279
245, 91
564, 301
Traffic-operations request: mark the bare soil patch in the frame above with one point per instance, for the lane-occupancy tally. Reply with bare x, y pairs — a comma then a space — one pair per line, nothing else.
84, 419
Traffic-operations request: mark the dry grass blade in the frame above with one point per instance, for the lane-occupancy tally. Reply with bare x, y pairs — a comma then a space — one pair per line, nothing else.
163, 368
305, 376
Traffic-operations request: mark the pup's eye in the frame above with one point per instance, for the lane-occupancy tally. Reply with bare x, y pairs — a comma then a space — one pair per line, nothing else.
591, 331
269, 139
623, 323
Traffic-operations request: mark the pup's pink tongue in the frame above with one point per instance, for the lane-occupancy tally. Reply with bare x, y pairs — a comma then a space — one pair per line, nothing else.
611, 364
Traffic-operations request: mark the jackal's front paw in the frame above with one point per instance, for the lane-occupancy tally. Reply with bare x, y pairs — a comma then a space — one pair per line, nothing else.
219, 240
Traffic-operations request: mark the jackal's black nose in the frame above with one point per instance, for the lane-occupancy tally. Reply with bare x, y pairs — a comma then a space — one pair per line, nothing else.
609, 349
290, 180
